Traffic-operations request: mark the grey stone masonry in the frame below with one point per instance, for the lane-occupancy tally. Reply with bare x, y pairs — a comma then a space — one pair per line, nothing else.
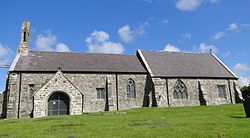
82, 90
207, 88
25, 39
58, 83
80, 87
13, 95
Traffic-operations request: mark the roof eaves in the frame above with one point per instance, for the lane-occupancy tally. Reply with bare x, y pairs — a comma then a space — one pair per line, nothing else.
194, 77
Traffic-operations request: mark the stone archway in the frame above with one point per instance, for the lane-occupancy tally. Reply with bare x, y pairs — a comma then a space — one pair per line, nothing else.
58, 83
58, 104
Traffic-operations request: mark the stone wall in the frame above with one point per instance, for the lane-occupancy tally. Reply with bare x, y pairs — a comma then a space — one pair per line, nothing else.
81, 88
195, 87
85, 83
140, 84
59, 83
13, 96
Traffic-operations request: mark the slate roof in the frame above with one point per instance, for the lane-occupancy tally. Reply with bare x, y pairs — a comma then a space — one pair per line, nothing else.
79, 62
179, 64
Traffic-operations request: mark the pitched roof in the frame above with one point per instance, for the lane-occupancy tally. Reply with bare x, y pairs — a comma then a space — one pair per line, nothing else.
179, 64
79, 62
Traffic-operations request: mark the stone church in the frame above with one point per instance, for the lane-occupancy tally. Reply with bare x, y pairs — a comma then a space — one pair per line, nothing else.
66, 83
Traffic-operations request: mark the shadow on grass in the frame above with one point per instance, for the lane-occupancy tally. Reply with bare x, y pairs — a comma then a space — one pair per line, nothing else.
68, 125
11, 122
4, 135
233, 116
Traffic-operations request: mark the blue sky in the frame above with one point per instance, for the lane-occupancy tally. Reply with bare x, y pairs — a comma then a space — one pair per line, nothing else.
122, 26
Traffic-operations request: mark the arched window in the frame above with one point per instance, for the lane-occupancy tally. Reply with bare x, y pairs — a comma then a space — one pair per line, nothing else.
24, 35
130, 89
222, 91
180, 90
175, 94
31, 90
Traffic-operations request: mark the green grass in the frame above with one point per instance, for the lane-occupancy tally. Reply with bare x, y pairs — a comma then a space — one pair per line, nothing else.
199, 121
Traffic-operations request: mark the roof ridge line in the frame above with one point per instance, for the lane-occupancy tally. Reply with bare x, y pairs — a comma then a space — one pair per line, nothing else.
80, 53
184, 52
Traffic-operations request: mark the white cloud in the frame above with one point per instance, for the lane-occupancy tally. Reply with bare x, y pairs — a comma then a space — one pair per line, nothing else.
188, 5
61, 47
232, 26
205, 48
240, 67
244, 81
45, 43
5, 54
127, 34
191, 5
171, 48
186, 36
98, 42
242, 71
141, 29
48, 42
218, 35
100, 36
4, 51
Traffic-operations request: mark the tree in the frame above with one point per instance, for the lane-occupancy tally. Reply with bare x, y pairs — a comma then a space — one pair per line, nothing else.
246, 99
245, 89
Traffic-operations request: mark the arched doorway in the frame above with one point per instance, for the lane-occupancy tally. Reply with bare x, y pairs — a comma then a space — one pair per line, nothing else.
58, 104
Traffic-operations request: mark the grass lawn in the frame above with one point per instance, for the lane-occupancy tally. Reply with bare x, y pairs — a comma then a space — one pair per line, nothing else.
198, 121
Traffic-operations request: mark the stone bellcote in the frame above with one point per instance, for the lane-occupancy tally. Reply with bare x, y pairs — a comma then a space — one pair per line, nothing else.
24, 44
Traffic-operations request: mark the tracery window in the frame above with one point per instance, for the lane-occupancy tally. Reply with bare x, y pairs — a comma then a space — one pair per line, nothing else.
100, 92
130, 89
180, 90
